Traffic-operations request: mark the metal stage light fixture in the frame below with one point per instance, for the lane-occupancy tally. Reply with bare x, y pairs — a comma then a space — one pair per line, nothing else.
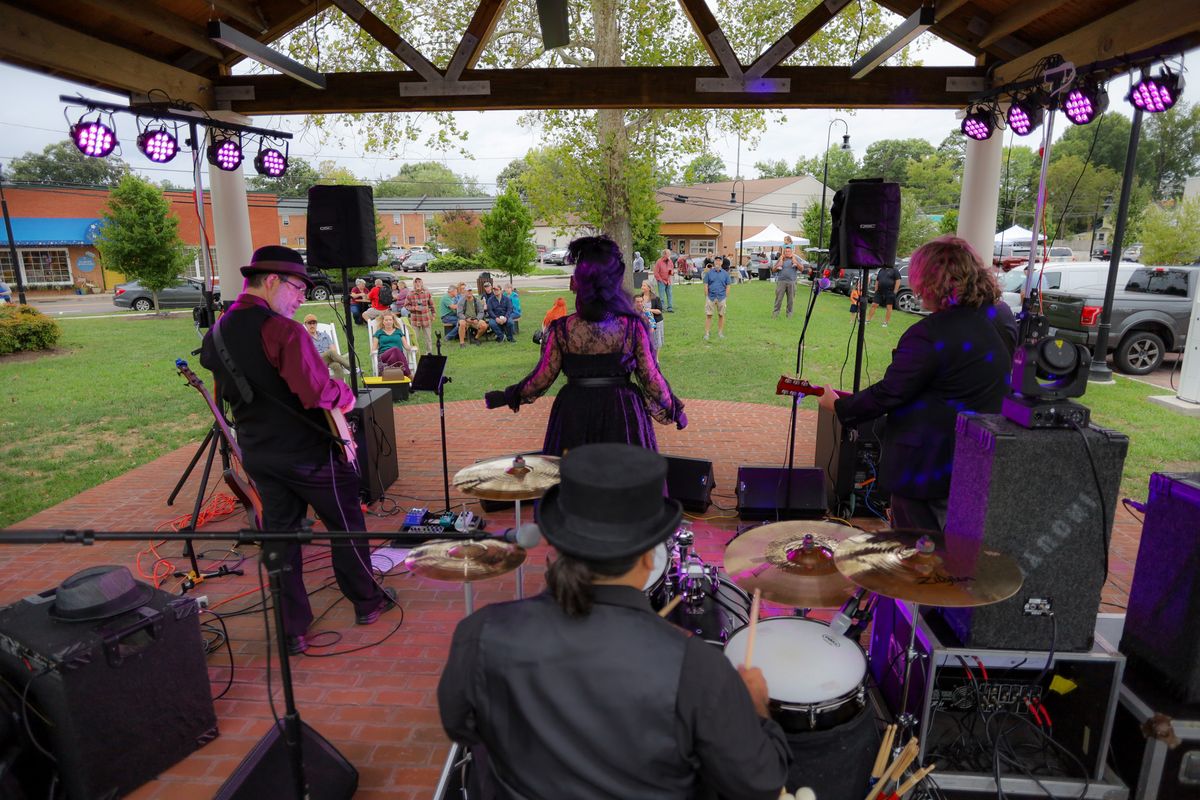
225, 153
1085, 101
158, 144
1024, 115
94, 139
1158, 94
979, 124
270, 162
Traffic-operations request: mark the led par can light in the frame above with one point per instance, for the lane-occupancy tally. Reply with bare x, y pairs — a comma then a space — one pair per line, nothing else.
1157, 94
979, 124
1085, 102
93, 139
225, 154
1024, 115
270, 163
158, 145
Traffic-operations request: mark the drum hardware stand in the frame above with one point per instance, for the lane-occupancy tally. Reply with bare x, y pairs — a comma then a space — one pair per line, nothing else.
905, 718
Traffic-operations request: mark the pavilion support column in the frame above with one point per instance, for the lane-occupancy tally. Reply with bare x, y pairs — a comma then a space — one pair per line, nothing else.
980, 196
230, 232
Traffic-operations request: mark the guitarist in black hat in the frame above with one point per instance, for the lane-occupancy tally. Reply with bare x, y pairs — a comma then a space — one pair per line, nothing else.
278, 388
585, 692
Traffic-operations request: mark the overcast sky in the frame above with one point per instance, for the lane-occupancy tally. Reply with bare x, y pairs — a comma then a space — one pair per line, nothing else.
32, 117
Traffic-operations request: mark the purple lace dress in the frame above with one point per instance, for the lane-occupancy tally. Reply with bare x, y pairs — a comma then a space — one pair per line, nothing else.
613, 386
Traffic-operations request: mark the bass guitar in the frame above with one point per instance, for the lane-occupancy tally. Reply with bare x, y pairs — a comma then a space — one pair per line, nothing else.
802, 388
235, 476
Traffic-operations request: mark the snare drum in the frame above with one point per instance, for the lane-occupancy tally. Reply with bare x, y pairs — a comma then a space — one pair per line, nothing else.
815, 678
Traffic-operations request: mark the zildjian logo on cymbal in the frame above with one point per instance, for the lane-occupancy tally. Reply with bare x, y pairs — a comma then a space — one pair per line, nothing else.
932, 580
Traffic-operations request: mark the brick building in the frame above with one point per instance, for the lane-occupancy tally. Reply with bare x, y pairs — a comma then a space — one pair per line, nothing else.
402, 220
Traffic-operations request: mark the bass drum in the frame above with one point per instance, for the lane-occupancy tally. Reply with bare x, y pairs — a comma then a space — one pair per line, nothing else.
714, 608
817, 679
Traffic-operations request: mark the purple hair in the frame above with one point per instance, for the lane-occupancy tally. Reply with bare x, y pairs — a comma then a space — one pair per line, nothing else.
599, 278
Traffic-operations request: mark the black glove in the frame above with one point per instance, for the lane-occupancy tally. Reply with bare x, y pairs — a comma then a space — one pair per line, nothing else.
494, 399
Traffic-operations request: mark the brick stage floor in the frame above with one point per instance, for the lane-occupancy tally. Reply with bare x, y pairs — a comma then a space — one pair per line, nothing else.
378, 705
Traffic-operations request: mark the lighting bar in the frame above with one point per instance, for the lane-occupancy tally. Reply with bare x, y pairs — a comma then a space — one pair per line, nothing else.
1155, 95
916, 24
234, 39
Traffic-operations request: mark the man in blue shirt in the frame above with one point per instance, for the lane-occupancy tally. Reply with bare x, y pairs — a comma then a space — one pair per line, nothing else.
716, 286
499, 315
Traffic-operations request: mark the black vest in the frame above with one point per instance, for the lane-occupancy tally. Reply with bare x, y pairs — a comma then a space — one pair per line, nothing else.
270, 424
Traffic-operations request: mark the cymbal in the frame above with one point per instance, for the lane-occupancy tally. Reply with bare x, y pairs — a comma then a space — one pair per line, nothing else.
928, 568
791, 562
509, 478
464, 561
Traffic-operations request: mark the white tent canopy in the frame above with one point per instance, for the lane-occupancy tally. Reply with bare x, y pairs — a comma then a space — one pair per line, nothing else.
771, 236
1016, 235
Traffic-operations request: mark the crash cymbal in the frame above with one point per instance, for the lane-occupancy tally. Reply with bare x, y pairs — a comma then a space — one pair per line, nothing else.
928, 568
509, 478
464, 561
791, 562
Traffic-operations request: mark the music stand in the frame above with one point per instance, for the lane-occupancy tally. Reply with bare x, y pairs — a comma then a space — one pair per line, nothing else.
431, 377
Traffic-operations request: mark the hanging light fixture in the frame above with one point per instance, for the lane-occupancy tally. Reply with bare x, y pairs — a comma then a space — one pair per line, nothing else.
1084, 102
94, 139
270, 162
158, 144
225, 152
979, 123
1158, 94
1024, 115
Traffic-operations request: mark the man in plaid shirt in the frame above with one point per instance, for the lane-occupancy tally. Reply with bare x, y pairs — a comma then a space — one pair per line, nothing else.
420, 312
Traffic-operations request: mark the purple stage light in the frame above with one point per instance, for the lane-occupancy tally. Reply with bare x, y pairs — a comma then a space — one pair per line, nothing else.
225, 154
93, 139
1084, 103
270, 163
1155, 95
979, 125
1023, 116
158, 145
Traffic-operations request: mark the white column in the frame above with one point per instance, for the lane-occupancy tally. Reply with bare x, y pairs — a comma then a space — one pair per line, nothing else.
231, 217
980, 196
1189, 379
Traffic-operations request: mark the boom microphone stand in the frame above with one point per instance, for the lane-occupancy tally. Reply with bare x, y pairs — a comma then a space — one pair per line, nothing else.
814, 289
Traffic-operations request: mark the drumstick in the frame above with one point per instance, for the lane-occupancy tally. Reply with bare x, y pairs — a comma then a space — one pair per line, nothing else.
881, 758
902, 763
669, 607
912, 782
753, 628
906, 755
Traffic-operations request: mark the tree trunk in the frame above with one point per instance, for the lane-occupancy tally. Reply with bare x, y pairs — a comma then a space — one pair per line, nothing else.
612, 137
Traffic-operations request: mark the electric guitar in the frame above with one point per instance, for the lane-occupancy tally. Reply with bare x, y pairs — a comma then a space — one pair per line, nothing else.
235, 477
801, 388
342, 430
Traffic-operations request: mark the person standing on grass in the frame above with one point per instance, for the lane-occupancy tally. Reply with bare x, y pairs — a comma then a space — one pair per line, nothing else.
419, 305
654, 306
787, 270
716, 287
885, 292
662, 275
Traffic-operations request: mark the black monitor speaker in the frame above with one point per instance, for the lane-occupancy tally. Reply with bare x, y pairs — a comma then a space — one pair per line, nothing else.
690, 481
374, 426
341, 227
865, 217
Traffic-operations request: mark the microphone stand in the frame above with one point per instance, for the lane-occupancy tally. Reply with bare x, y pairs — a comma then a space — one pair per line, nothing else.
815, 289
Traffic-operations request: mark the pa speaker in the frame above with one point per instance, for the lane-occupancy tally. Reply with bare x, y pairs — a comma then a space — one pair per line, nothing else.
375, 434
1032, 495
116, 701
763, 493
341, 227
865, 217
1160, 638
690, 481
267, 770
555, 23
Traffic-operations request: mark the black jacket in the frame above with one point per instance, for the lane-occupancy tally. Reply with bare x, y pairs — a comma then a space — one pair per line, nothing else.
952, 361
617, 704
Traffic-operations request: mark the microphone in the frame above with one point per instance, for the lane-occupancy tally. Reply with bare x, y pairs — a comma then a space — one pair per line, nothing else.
821, 285
527, 536
847, 615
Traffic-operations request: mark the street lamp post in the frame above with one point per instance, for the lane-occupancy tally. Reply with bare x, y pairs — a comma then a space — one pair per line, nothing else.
742, 222
1097, 220
825, 175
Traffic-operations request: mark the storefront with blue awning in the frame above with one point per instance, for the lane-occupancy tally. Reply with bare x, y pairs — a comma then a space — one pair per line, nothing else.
52, 252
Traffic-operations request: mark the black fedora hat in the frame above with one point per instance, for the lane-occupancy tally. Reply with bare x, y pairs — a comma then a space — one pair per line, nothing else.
609, 503
98, 593
279, 260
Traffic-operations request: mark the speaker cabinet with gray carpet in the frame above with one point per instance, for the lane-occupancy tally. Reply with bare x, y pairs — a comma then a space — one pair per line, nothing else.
690, 481
375, 434
341, 227
1032, 495
1160, 638
762, 493
115, 700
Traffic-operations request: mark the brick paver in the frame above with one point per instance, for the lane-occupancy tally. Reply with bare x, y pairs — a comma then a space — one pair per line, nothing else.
378, 705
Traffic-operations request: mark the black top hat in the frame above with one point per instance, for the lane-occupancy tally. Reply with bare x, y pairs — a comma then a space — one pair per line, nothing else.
279, 260
98, 593
609, 503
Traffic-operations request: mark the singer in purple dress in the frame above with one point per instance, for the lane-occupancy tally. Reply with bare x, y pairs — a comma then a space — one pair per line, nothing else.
614, 388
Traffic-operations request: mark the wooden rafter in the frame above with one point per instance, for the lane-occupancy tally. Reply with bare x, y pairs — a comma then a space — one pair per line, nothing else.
711, 36
957, 25
619, 87
393, 42
794, 39
246, 13
1139, 25
29, 39
161, 22
476, 37
1018, 17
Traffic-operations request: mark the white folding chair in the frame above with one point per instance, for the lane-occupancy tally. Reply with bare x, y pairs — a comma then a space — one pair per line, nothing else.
331, 329
410, 346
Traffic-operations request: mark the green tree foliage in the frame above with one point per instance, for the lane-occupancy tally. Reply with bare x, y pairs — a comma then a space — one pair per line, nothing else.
954, 147
506, 233
458, 230
842, 167
511, 175
62, 163
1171, 149
774, 169
1171, 234
1110, 133
949, 223
1086, 187
300, 176
915, 227
810, 226
429, 179
932, 182
333, 175
705, 168
139, 237
1020, 169
889, 158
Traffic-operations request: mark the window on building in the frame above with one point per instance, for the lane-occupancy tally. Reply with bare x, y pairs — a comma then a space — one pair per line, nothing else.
7, 273
283, 240
286, 220
795, 210
299, 241
412, 240
395, 240
704, 247
45, 267
395, 219
196, 269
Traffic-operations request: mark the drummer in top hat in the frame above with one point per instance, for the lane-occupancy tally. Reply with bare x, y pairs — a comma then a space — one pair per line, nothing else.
278, 389
583, 691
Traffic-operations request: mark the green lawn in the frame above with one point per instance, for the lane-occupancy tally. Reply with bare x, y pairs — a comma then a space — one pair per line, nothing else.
109, 399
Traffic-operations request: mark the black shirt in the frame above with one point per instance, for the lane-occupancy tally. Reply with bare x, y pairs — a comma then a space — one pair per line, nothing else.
616, 704
886, 278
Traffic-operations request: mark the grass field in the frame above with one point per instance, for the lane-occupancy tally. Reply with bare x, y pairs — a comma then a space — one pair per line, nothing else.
109, 398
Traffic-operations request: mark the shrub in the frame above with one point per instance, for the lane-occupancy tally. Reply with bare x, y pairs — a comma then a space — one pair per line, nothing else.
451, 262
26, 328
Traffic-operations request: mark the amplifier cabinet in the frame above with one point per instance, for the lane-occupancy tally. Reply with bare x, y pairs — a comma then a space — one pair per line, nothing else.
117, 700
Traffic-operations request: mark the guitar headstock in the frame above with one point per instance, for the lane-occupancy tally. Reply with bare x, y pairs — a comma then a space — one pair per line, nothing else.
187, 373
797, 387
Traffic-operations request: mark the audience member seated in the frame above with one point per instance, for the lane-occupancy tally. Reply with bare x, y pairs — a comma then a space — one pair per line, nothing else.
514, 297
359, 302
400, 297
470, 317
391, 344
381, 299
337, 362
499, 315
448, 310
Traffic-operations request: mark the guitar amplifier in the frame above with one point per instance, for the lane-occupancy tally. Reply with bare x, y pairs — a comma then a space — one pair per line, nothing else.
375, 434
116, 701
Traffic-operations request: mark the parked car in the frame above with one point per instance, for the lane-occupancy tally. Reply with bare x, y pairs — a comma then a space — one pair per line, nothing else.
1132, 253
1149, 317
1083, 276
1059, 255
188, 292
906, 299
393, 257
541, 249
5, 293
417, 262
322, 288
387, 276
1102, 253
556, 256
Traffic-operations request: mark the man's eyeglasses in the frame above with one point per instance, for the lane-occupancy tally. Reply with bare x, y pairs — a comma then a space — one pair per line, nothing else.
300, 287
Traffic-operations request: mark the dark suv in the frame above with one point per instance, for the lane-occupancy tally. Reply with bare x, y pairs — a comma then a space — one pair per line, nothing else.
322, 286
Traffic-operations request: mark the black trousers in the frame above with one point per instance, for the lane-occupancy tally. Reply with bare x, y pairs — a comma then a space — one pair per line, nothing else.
909, 512
288, 487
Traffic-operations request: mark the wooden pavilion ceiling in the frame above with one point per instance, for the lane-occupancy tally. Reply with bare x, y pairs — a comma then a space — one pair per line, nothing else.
138, 46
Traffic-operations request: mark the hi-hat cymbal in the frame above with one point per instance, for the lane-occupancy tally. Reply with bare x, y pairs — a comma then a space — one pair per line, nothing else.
464, 561
927, 568
791, 562
509, 478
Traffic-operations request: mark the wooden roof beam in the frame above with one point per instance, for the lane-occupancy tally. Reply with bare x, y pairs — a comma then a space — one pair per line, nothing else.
476, 36
161, 22
794, 39
712, 37
248, 14
28, 39
1139, 25
1017, 17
